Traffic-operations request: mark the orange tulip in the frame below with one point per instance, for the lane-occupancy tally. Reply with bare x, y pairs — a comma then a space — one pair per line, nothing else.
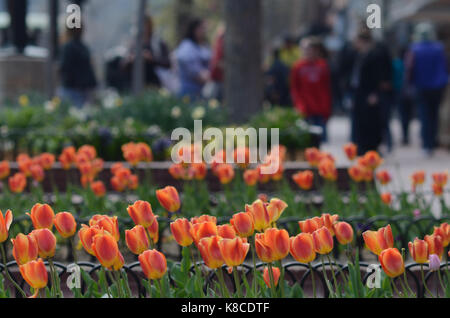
243, 224
42, 216
310, 225
383, 177
5, 223
25, 248
37, 173
99, 189
226, 231
323, 240
440, 178
67, 157
272, 245
233, 251
261, 216
137, 239
87, 150
377, 241
372, 159
210, 251
418, 177
328, 221
275, 273
168, 198
419, 251
105, 248
392, 262
313, 156
435, 245
141, 213
178, 171
327, 170
275, 208
153, 231
65, 224
438, 189
225, 173
251, 177
17, 182
444, 232
24, 162
153, 264
86, 235
35, 274
201, 230
344, 232
181, 231
115, 167
107, 223
198, 170
350, 150
46, 160
386, 197
357, 172
4, 169
304, 179
204, 218
46, 242
302, 248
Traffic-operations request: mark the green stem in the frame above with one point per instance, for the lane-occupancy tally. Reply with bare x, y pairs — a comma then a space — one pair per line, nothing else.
272, 281
312, 279
53, 273
162, 292
225, 292
252, 240
332, 273
9, 276
324, 272
74, 249
394, 286
237, 282
424, 282
440, 280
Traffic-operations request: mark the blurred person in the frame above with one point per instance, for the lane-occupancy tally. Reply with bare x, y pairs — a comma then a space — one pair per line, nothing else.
290, 51
193, 58
369, 80
310, 85
276, 80
155, 54
427, 72
217, 64
76, 71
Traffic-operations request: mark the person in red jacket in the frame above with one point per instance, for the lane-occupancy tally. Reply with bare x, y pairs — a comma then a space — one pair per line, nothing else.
310, 85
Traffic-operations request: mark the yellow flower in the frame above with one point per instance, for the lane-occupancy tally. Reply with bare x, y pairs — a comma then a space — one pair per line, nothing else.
23, 100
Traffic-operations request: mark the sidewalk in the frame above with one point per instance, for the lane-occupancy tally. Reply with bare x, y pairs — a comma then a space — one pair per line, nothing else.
401, 162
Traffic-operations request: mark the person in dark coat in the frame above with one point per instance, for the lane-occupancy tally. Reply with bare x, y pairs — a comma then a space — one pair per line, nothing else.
369, 81
76, 71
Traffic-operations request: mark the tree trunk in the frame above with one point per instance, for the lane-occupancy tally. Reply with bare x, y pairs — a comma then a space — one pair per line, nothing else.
243, 58
138, 67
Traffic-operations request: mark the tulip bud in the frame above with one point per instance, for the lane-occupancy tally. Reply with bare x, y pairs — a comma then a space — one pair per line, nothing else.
105, 249
153, 264
312, 155
323, 240
35, 274
201, 230
46, 242
233, 251
444, 232
310, 225
275, 273
275, 208
301, 248
392, 262
435, 262
350, 150
141, 213
304, 179
224, 172
17, 182
99, 189
260, 215
251, 177
25, 248
344, 232
204, 218
435, 245
86, 235
153, 230
226, 231
42, 216
65, 224
386, 197
419, 251
5, 223
383, 177
272, 245
181, 231
4, 169
377, 241
168, 198
210, 251
243, 224
107, 223
137, 240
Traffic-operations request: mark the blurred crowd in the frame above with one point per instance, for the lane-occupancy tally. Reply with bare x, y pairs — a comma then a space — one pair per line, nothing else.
366, 79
